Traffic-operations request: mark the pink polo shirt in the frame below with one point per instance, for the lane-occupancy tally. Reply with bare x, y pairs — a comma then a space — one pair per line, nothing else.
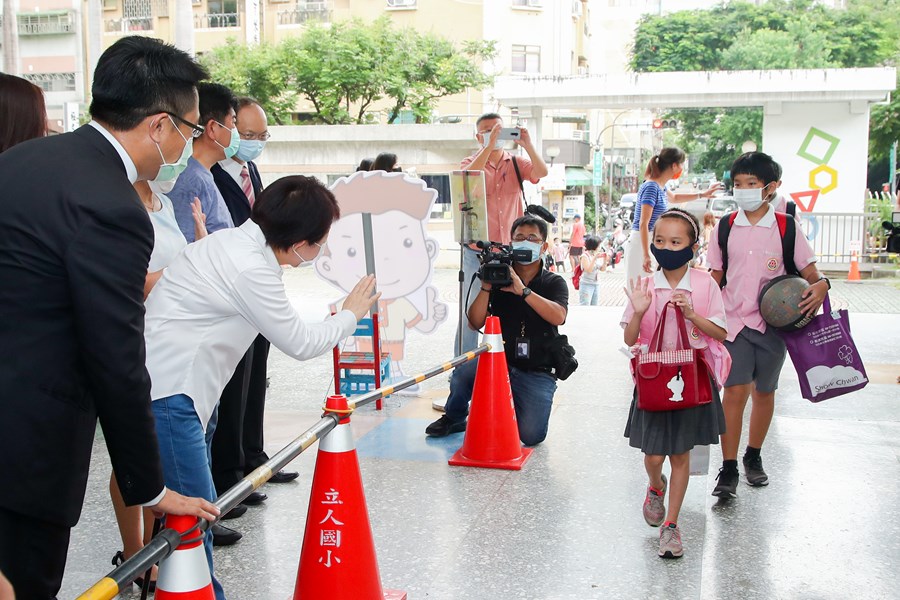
504, 198
754, 259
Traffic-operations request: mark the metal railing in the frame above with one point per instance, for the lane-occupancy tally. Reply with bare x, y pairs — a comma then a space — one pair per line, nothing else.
128, 24
305, 14
217, 21
835, 236
167, 541
46, 24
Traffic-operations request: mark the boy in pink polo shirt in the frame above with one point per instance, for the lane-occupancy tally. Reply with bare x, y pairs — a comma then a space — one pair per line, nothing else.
755, 257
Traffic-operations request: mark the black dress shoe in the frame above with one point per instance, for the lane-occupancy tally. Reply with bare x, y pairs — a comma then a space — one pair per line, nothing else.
254, 499
284, 476
235, 512
225, 536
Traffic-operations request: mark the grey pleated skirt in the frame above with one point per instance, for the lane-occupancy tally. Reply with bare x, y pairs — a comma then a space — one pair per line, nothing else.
671, 432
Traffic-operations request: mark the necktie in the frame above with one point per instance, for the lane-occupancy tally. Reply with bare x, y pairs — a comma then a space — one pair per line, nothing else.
247, 185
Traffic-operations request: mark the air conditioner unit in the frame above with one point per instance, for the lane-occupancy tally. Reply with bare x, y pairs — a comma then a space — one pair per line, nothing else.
536, 3
401, 3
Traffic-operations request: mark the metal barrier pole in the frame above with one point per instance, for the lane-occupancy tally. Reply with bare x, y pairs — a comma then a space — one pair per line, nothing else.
168, 540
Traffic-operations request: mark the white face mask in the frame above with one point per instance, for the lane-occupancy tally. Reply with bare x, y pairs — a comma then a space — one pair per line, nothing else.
161, 187
749, 199
303, 261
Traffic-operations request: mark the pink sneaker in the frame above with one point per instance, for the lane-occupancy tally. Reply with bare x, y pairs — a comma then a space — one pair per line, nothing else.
655, 506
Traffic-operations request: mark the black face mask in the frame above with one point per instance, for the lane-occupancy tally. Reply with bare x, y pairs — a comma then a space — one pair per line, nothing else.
670, 260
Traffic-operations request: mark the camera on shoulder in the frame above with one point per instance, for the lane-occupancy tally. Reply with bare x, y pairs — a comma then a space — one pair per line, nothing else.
496, 260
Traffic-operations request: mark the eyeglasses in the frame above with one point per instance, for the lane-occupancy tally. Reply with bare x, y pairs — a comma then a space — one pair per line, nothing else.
249, 135
196, 130
530, 238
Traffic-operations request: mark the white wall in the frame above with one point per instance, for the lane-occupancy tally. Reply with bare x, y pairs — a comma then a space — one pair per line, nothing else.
784, 134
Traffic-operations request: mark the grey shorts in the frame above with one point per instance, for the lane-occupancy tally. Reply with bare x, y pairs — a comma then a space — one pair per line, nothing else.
756, 358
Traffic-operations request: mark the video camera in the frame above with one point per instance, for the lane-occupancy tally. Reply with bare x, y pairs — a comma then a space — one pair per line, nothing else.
496, 259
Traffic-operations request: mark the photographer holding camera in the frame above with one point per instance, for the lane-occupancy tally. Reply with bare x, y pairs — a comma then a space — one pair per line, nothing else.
530, 307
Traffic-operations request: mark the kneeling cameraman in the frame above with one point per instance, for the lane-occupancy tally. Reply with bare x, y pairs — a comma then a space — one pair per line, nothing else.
530, 309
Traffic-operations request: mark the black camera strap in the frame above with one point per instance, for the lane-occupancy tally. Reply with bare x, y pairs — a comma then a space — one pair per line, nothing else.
519, 178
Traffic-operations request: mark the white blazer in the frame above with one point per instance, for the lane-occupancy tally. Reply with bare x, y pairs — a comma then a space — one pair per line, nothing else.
209, 305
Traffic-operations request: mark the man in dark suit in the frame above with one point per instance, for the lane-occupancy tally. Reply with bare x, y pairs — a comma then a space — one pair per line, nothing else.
238, 442
75, 242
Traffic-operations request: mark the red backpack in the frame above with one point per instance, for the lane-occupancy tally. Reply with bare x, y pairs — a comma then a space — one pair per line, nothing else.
576, 276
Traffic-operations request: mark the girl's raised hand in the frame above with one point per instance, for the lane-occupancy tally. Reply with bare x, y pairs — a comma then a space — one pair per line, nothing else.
638, 292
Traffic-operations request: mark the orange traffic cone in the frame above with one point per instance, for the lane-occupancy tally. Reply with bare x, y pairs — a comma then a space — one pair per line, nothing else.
853, 275
185, 574
492, 435
338, 557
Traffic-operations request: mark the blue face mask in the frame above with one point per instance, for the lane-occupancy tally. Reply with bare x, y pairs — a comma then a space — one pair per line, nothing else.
533, 247
249, 150
233, 142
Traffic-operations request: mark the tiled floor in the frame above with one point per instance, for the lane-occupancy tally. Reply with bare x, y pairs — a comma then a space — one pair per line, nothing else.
569, 524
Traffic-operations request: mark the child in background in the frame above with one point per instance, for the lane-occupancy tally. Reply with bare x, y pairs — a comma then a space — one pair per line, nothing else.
673, 433
592, 262
755, 257
560, 254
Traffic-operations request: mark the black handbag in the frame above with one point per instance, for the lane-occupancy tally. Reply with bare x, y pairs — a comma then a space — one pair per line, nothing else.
562, 356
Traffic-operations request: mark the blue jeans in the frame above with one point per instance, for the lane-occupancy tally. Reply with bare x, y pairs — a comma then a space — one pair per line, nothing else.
589, 294
470, 267
184, 453
532, 393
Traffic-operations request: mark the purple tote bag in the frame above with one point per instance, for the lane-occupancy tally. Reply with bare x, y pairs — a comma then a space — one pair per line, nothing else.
825, 356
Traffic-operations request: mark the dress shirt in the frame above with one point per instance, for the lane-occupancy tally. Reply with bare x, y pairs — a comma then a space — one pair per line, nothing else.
504, 196
130, 168
210, 304
233, 168
754, 259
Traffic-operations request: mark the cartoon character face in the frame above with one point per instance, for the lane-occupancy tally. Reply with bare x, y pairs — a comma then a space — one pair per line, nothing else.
403, 254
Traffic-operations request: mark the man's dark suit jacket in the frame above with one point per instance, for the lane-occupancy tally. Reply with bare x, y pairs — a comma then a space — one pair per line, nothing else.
75, 241
234, 196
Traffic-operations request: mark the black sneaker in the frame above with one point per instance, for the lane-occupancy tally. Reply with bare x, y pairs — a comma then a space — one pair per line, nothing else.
753, 470
727, 486
444, 427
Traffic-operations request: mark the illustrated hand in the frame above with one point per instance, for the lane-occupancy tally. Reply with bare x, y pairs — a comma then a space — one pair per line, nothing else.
813, 297
361, 298
437, 312
638, 291
648, 265
682, 301
199, 219
174, 503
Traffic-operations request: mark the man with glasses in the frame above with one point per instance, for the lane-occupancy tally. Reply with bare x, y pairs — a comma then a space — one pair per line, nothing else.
238, 445
530, 310
503, 191
75, 242
217, 140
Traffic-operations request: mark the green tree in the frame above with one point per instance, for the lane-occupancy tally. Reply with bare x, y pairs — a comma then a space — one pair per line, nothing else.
773, 35
256, 72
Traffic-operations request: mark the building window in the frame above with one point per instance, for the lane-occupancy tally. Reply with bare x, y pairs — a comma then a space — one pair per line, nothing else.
526, 59
528, 3
402, 3
221, 13
110, 4
53, 82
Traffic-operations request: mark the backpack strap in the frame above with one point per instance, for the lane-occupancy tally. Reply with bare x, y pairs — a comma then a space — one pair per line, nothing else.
787, 227
790, 208
725, 224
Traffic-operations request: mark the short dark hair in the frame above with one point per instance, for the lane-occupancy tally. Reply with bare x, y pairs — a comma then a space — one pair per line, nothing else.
591, 242
216, 102
384, 162
139, 76
365, 164
487, 116
23, 114
295, 209
530, 220
759, 164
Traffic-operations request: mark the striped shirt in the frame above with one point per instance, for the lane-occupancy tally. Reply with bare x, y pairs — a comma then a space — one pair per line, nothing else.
649, 194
